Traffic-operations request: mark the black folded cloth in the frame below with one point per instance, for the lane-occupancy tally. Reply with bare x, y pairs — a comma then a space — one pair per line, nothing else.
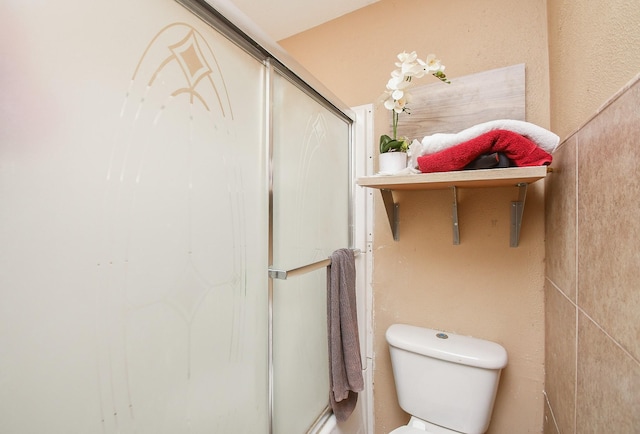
490, 161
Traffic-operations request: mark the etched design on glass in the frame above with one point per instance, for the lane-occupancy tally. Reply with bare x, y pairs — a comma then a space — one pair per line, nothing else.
171, 306
189, 55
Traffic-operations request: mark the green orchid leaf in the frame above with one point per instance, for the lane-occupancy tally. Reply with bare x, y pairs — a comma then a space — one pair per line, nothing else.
387, 144
384, 141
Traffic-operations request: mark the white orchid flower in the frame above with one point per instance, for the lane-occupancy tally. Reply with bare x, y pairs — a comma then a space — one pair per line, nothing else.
409, 65
389, 103
388, 100
397, 94
405, 57
400, 104
396, 97
397, 82
433, 64
415, 70
397, 102
398, 86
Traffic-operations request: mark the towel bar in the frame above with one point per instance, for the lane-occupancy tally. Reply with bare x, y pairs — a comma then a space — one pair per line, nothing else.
283, 274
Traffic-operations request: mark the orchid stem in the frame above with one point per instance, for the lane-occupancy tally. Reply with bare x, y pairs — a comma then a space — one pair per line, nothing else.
395, 124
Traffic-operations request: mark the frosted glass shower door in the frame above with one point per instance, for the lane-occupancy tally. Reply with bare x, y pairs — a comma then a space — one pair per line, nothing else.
133, 223
311, 180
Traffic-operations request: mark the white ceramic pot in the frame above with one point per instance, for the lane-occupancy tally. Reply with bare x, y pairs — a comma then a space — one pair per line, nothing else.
392, 162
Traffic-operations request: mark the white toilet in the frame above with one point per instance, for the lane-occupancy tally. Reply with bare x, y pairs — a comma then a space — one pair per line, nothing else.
446, 382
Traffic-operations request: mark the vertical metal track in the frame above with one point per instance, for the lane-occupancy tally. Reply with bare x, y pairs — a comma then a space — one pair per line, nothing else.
351, 186
268, 85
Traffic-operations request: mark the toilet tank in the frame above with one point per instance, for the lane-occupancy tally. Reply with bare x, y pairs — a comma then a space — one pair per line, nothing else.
445, 379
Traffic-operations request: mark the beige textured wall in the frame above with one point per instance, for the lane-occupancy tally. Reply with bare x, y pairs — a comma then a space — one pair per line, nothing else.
482, 287
594, 50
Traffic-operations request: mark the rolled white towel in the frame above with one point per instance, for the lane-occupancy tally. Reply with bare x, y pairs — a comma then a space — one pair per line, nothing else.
542, 137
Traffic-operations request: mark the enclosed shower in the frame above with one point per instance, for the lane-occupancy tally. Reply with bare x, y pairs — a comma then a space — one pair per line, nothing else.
160, 173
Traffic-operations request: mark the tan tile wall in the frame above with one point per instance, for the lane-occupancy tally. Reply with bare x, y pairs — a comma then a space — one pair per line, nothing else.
592, 288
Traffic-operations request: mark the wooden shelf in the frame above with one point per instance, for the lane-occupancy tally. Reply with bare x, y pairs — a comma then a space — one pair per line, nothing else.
510, 176
519, 177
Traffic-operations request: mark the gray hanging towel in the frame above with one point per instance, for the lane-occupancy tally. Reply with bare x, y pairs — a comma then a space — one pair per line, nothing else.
345, 371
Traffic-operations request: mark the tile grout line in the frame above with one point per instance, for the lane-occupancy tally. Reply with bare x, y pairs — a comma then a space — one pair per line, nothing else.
557, 288
624, 350
577, 286
553, 416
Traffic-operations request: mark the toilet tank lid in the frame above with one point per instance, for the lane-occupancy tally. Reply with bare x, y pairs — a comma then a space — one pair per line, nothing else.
454, 348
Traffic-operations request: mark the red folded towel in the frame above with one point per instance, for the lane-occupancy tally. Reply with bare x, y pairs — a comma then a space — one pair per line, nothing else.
520, 150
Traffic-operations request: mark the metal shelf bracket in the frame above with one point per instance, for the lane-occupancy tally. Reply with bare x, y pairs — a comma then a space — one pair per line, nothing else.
393, 211
517, 209
454, 217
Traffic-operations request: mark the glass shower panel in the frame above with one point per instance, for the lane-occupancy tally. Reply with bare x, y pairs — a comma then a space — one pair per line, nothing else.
134, 294
310, 221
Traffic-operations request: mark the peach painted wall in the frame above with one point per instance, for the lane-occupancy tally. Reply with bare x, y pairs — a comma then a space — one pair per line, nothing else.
481, 287
594, 50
